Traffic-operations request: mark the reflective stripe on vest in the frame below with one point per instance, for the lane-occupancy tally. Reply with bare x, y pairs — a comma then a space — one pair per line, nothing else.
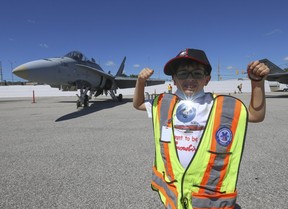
228, 112
167, 103
211, 177
214, 201
164, 103
159, 184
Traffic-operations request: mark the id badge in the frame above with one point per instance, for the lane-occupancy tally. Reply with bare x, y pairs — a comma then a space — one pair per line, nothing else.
166, 134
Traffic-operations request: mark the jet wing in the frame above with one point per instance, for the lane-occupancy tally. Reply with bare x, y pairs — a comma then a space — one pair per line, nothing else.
99, 72
127, 82
280, 77
276, 73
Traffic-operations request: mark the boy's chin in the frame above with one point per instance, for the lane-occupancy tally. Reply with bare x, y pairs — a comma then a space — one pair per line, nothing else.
189, 93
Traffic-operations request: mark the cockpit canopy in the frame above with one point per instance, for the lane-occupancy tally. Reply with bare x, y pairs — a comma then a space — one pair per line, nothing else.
76, 55
79, 57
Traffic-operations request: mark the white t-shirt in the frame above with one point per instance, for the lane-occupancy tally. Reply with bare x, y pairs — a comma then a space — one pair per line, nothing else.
189, 120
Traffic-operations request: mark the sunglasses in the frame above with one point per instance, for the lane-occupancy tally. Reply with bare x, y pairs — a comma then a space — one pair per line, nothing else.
195, 74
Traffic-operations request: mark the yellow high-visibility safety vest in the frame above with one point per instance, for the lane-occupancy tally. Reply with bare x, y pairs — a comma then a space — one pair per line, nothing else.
209, 181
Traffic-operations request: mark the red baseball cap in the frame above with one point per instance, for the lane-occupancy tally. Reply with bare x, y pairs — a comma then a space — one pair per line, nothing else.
194, 55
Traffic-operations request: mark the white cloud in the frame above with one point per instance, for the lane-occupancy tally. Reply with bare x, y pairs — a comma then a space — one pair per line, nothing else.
136, 66
31, 21
229, 67
286, 58
110, 63
43, 45
273, 32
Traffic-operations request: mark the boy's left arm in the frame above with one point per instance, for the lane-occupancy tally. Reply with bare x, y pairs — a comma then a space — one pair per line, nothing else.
257, 72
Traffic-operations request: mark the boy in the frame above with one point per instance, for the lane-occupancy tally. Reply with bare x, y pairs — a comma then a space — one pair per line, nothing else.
199, 137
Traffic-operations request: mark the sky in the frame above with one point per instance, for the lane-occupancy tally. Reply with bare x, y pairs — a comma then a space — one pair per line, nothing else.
148, 32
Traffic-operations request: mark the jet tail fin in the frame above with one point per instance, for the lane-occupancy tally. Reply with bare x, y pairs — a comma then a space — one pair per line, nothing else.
121, 68
273, 68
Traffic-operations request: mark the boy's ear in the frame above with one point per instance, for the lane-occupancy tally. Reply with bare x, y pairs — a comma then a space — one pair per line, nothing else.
208, 78
173, 80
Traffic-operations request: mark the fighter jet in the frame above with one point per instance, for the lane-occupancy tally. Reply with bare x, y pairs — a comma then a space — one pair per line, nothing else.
276, 73
74, 71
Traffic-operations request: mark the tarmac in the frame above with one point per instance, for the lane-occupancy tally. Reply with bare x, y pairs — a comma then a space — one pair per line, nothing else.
55, 156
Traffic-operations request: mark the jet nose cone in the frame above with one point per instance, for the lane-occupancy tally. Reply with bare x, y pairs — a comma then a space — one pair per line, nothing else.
34, 70
21, 71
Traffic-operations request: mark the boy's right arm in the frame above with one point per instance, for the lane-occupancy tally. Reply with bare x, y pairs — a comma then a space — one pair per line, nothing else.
139, 98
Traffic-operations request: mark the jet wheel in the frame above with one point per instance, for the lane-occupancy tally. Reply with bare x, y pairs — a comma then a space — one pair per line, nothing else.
86, 101
78, 104
120, 97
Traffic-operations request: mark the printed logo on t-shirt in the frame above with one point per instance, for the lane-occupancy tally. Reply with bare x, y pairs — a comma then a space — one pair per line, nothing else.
185, 112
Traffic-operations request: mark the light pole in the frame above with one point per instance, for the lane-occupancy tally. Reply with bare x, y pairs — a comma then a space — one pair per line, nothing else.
11, 64
1, 73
